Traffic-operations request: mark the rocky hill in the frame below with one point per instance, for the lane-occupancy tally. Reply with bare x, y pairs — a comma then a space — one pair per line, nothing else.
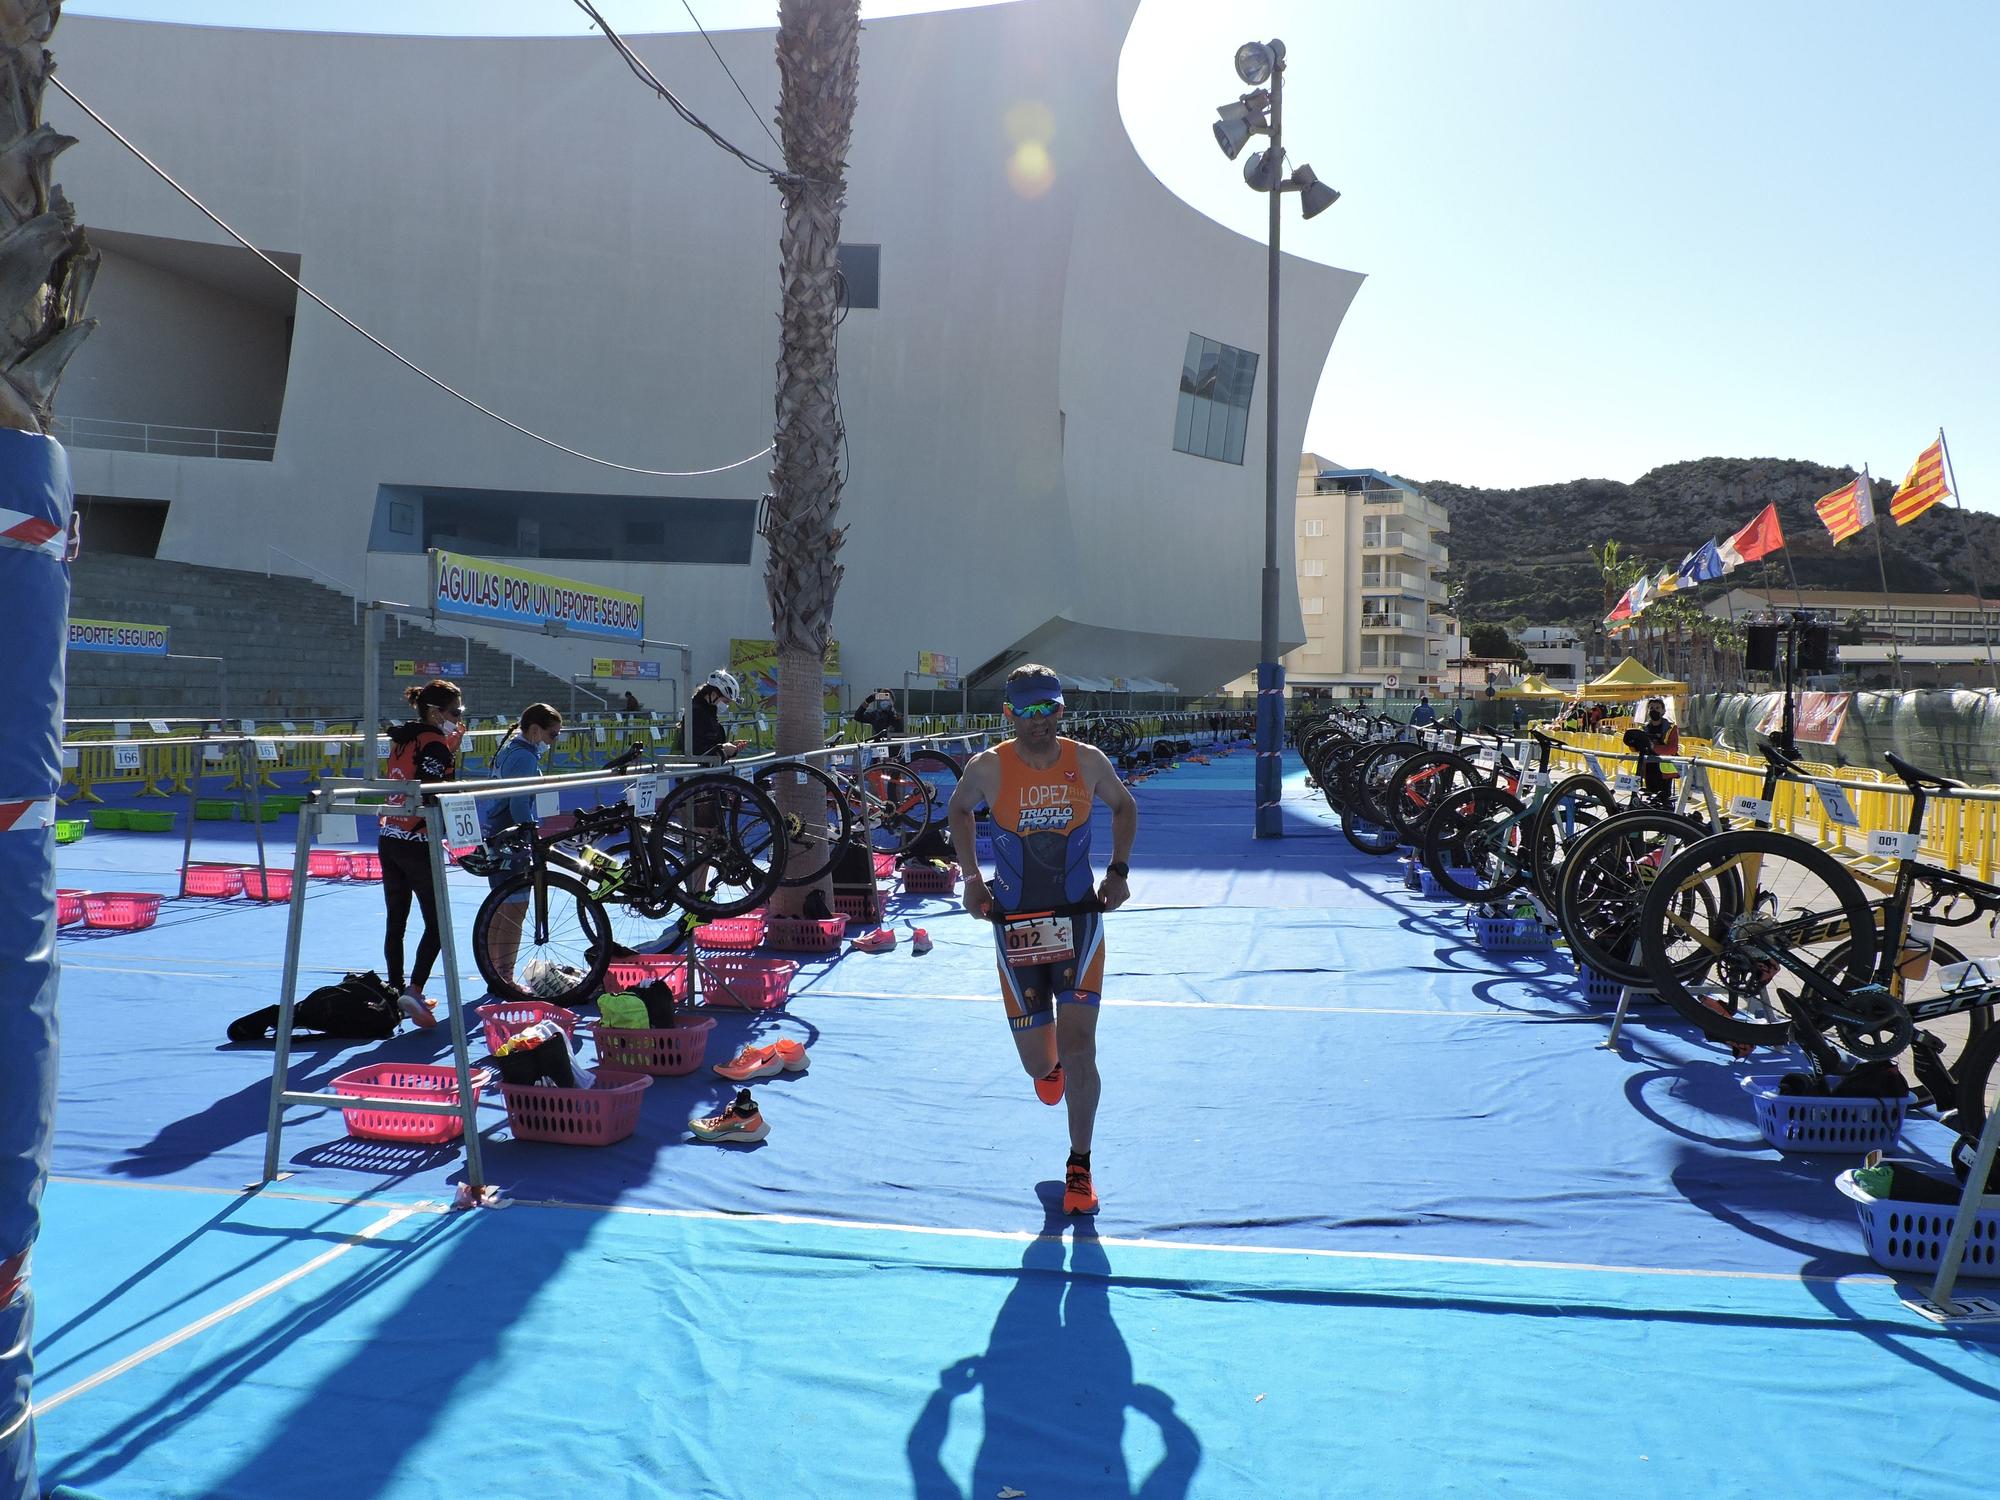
1524, 553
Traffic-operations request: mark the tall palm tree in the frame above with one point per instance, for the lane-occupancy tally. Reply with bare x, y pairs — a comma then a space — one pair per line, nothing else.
46, 268
46, 264
819, 53
1618, 571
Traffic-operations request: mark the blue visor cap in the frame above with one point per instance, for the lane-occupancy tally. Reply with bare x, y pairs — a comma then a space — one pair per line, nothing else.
1029, 691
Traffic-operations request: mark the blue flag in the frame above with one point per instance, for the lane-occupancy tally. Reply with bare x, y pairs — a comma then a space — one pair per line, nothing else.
1702, 564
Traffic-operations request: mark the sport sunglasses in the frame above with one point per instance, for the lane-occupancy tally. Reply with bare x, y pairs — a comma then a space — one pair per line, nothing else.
1036, 710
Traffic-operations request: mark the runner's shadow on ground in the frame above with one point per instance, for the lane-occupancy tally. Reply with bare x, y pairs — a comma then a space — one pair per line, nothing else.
1055, 1383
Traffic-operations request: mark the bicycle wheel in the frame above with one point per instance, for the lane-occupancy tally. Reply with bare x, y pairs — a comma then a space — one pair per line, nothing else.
817, 822
1572, 808
1367, 835
553, 950
724, 836
1978, 1073
1372, 777
1421, 785
1949, 1036
1605, 877
1481, 829
1755, 892
898, 807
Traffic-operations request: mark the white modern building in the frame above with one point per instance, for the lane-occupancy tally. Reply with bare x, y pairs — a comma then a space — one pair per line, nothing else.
1051, 367
1555, 652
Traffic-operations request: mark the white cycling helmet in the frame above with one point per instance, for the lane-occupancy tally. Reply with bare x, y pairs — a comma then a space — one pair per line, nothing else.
725, 684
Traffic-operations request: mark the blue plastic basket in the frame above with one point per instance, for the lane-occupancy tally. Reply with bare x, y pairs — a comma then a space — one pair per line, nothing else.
1912, 1236
1596, 989
1509, 934
1435, 891
1413, 874
1823, 1123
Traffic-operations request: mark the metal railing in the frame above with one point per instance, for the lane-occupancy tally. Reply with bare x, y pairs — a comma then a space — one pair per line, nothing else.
167, 438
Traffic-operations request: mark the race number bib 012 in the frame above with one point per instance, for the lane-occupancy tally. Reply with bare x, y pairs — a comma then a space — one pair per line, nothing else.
1037, 940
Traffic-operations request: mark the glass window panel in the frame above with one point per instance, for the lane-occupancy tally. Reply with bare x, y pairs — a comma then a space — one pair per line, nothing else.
1191, 362
1205, 374
1239, 418
1183, 422
1198, 432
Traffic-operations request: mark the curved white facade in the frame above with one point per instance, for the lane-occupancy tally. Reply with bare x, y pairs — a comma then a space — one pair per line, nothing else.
522, 218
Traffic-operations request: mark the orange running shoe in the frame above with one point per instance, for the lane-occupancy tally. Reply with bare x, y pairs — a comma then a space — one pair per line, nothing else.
1079, 1197
791, 1055
752, 1062
1049, 1087
742, 1121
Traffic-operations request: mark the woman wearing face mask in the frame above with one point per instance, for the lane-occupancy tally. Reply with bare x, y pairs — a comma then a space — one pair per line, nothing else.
522, 755
424, 749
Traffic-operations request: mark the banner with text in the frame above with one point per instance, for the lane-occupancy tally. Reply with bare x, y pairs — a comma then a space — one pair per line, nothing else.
1821, 717
117, 638
430, 669
604, 666
755, 665
471, 588
936, 664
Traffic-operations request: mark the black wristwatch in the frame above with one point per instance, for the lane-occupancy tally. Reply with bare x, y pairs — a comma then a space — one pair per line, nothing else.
1119, 868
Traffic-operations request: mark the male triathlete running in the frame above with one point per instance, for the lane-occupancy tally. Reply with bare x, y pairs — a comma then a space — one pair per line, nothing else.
1039, 788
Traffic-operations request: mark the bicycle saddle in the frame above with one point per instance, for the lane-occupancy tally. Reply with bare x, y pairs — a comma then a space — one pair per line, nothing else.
1917, 776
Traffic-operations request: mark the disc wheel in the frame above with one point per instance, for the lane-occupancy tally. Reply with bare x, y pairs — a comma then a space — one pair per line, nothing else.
1721, 907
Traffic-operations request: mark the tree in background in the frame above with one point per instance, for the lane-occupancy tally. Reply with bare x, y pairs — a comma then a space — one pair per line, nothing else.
1488, 639
819, 60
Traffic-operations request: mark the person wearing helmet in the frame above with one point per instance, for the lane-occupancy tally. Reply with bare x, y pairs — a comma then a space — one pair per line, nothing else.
702, 734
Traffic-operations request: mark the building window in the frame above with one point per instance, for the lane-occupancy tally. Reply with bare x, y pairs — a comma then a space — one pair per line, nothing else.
1214, 411
861, 274
402, 518
1314, 605
1313, 528
1312, 568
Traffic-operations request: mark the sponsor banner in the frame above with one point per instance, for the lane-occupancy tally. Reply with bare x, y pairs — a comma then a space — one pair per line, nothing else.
471, 588
604, 666
754, 664
936, 664
1821, 717
430, 669
117, 637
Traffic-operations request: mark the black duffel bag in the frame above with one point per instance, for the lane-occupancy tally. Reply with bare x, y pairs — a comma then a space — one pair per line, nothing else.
362, 1007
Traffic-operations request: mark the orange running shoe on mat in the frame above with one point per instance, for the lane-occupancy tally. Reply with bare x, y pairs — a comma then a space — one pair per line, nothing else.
790, 1054
742, 1121
751, 1062
1049, 1087
1079, 1197
881, 940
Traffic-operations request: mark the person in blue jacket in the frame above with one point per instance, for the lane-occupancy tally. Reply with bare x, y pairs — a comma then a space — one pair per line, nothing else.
522, 754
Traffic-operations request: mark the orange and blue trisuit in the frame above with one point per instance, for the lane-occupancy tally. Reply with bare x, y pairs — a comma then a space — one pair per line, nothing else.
1041, 862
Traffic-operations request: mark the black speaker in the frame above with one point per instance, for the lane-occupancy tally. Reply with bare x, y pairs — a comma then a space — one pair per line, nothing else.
1760, 651
1815, 648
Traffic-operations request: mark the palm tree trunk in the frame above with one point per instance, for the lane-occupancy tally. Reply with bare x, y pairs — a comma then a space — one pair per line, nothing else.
818, 70
45, 273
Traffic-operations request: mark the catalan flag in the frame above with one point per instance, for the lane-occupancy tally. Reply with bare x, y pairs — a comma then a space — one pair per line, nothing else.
1922, 487
1848, 511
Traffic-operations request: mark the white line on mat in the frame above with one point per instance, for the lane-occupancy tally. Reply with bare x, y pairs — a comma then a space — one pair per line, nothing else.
222, 1314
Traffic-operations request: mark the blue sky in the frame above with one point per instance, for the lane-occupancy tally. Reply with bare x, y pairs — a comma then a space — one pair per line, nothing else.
1599, 235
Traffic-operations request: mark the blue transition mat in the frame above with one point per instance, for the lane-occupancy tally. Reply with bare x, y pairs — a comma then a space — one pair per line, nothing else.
1379, 1217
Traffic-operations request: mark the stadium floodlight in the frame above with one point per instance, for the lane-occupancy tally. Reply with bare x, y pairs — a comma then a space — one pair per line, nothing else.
1262, 112
1315, 197
1256, 61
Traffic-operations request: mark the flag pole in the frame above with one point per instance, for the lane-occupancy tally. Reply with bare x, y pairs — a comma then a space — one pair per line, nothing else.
1882, 567
1972, 557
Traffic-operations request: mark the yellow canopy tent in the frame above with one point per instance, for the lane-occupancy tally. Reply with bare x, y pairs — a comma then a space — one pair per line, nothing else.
1628, 682
1533, 686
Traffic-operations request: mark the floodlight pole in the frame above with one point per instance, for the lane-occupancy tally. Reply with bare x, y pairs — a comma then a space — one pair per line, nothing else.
1270, 673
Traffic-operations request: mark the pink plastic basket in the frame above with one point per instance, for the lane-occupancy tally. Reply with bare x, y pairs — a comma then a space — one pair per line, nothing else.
267, 885
663, 1053
730, 934
751, 983
328, 864
364, 867
599, 1116
629, 973
457, 854
806, 934
212, 880
120, 911
858, 906
928, 880
885, 866
503, 1018
69, 907
405, 1081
